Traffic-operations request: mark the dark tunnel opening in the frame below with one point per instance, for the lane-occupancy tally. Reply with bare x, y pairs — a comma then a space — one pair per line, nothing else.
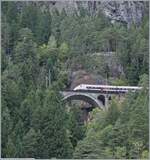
102, 99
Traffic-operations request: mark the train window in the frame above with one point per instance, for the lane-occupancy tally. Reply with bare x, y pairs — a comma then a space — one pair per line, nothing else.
89, 87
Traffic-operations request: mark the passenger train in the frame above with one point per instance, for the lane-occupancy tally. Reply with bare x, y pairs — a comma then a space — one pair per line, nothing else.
106, 88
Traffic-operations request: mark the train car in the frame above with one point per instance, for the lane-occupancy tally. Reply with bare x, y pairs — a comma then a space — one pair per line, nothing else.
80, 87
107, 88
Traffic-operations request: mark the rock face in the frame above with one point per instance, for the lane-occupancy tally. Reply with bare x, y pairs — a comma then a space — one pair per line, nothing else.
81, 76
122, 11
127, 11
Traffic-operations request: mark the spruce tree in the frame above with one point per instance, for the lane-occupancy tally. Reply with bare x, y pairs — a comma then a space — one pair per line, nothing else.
50, 119
26, 57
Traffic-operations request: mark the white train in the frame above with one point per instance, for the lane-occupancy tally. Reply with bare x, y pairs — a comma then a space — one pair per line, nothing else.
106, 88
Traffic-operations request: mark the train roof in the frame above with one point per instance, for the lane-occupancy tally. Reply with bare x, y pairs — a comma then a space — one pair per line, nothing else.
110, 86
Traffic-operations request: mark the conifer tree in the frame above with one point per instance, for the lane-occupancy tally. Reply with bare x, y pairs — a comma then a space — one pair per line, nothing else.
50, 119
26, 57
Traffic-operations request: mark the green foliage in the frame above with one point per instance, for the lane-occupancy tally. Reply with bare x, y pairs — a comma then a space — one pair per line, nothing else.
47, 55
145, 154
52, 43
77, 130
113, 113
30, 143
120, 152
64, 52
119, 82
10, 25
26, 57
144, 81
10, 149
88, 150
118, 133
39, 50
38, 21
54, 135
6, 130
134, 53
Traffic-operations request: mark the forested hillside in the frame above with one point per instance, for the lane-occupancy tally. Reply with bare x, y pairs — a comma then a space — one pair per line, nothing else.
41, 51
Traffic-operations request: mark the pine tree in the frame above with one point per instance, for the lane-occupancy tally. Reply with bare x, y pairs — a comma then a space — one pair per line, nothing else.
26, 57
113, 113
76, 128
50, 119
30, 144
43, 27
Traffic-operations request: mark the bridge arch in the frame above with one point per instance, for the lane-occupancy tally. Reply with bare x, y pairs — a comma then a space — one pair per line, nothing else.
96, 102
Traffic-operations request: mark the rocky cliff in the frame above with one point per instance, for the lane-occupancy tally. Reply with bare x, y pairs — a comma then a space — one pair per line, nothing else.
122, 11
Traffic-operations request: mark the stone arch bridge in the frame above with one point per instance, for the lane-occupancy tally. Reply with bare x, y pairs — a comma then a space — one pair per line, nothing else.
96, 99
97, 95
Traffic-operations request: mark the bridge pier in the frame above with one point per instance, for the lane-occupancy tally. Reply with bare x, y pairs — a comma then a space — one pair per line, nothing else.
106, 101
